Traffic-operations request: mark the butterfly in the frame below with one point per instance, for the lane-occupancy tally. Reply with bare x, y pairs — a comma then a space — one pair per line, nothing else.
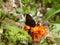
36, 31
29, 21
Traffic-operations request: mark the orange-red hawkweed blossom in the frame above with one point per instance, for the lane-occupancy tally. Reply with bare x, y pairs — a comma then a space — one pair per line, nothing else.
37, 32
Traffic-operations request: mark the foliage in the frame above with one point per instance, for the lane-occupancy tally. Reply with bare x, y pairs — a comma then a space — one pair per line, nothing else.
53, 2
1, 3
52, 12
28, 6
13, 34
2, 14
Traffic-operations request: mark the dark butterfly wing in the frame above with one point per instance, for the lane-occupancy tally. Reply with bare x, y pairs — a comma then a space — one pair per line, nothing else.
29, 21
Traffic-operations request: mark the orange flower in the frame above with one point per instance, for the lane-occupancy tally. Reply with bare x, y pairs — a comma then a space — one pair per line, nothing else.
37, 32
34, 29
26, 27
43, 30
36, 37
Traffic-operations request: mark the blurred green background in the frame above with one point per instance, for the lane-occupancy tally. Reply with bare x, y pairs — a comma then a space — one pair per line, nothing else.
12, 18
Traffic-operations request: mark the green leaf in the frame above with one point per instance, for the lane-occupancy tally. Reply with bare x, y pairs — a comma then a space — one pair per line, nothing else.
1, 3
57, 28
57, 40
34, 11
57, 20
1, 30
2, 14
51, 12
22, 20
47, 1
